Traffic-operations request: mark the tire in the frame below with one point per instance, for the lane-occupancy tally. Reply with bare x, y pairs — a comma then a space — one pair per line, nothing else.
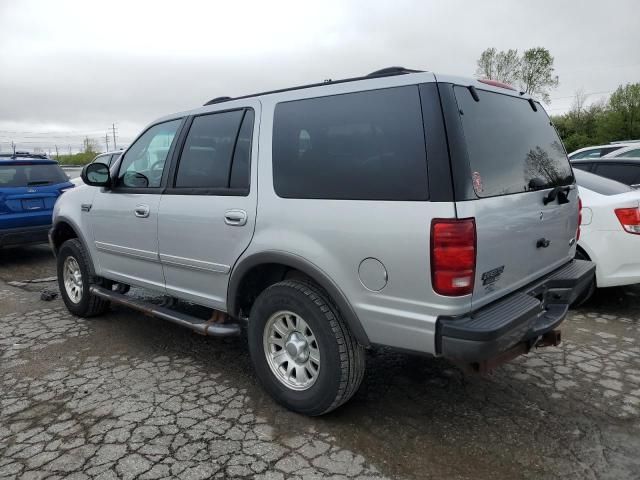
72, 254
588, 292
341, 360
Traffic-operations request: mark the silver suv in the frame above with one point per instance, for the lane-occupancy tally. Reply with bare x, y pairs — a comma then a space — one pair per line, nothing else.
428, 213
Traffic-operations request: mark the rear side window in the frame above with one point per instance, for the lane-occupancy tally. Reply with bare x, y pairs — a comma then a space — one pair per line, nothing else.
206, 157
511, 148
242, 154
31, 175
358, 146
601, 185
635, 153
582, 166
622, 172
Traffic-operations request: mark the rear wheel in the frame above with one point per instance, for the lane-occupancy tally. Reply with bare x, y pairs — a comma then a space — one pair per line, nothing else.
75, 279
302, 350
590, 290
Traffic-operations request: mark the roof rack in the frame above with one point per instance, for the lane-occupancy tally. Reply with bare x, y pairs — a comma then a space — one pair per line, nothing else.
384, 72
43, 156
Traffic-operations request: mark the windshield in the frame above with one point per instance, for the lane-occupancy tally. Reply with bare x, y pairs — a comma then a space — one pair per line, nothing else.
27, 175
511, 147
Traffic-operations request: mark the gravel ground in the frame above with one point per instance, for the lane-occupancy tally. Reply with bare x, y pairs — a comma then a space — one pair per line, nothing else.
126, 396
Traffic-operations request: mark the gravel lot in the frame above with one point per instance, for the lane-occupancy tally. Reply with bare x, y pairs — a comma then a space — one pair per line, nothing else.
125, 396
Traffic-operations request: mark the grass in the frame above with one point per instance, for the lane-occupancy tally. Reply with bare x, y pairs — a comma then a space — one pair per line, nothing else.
78, 159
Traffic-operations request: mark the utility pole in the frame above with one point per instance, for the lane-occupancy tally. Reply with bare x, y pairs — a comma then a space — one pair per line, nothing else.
57, 155
106, 140
113, 128
69, 149
13, 147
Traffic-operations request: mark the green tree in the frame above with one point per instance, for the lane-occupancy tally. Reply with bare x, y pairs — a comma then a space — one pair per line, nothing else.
501, 66
624, 104
532, 72
536, 75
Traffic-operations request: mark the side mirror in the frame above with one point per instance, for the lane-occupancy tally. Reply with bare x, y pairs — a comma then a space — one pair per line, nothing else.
96, 174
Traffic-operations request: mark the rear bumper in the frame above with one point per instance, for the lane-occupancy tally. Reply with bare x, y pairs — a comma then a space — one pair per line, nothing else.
521, 318
24, 235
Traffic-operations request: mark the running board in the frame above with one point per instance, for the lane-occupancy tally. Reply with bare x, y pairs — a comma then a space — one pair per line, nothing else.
204, 327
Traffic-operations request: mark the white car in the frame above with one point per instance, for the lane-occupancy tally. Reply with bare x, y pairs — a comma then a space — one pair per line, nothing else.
609, 230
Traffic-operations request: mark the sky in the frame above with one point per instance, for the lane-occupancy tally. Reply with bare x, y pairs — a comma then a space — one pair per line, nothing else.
70, 69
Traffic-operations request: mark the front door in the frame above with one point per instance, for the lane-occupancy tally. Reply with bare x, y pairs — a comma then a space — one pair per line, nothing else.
207, 214
125, 218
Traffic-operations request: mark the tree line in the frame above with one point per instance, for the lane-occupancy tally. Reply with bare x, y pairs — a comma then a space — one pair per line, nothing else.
532, 72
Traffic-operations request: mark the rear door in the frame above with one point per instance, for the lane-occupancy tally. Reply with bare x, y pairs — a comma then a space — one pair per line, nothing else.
514, 160
208, 213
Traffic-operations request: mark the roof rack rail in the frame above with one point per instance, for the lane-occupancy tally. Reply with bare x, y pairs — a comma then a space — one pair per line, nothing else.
218, 100
385, 72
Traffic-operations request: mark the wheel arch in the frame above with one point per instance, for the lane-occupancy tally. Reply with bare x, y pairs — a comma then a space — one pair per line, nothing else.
65, 229
278, 265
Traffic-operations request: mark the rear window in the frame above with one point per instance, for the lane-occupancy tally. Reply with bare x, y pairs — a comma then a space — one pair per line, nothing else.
358, 146
25, 175
512, 149
601, 185
622, 172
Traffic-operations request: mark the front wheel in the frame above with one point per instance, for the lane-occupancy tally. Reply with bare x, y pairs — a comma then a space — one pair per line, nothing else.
74, 280
302, 350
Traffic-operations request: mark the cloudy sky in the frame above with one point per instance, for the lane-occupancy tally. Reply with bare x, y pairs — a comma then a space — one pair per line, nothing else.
72, 68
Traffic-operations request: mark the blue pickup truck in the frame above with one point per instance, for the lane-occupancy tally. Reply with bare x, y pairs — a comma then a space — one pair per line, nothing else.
30, 184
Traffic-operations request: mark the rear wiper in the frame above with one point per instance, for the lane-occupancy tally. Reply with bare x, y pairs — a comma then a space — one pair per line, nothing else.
561, 193
42, 182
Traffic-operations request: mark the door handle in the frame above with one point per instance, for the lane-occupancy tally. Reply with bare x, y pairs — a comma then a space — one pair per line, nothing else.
141, 211
236, 218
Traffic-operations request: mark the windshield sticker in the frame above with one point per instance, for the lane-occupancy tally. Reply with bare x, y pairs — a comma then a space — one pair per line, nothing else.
477, 182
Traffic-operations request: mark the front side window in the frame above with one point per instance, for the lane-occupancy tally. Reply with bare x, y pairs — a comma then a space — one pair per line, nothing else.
359, 146
144, 162
511, 147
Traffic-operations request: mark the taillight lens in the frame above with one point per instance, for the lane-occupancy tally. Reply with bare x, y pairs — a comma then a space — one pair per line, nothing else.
629, 219
453, 256
579, 218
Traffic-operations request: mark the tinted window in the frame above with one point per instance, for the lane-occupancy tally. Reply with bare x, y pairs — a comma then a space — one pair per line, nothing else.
601, 185
31, 175
635, 153
240, 168
621, 172
143, 163
102, 159
206, 156
360, 146
511, 148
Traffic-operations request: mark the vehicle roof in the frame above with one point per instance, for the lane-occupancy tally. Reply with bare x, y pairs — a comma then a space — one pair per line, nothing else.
608, 145
607, 160
27, 160
386, 78
110, 152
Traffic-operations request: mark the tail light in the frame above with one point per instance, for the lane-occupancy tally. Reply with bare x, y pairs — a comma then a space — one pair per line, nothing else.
579, 218
629, 219
453, 256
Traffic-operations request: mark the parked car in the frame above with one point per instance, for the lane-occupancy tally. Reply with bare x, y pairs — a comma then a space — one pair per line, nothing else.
344, 229
108, 158
30, 184
599, 151
623, 170
610, 231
